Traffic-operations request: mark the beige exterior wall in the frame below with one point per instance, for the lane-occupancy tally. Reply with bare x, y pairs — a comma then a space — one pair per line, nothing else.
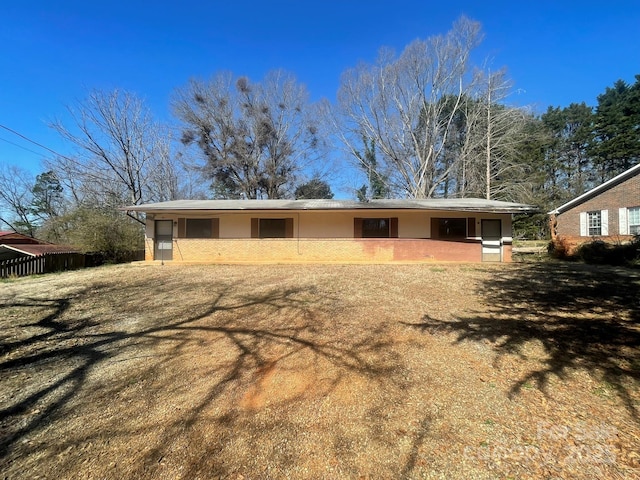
235, 226
325, 237
334, 224
323, 225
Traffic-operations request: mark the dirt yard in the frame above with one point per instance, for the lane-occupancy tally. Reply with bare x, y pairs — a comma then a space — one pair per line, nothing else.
523, 371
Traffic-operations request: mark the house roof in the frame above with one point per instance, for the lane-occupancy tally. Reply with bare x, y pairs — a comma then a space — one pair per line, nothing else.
14, 244
16, 250
15, 237
633, 171
455, 204
35, 250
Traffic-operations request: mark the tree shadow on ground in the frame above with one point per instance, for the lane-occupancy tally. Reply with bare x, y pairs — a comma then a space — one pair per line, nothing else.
61, 348
585, 317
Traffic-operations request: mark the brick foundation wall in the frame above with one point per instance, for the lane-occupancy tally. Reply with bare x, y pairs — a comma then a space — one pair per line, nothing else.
323, 251
148, 249
507, 253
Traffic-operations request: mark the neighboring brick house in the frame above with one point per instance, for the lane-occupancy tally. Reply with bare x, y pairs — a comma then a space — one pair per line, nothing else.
326, 231
609, 212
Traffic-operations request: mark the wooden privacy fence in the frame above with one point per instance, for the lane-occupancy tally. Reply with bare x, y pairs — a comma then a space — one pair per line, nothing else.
47, 263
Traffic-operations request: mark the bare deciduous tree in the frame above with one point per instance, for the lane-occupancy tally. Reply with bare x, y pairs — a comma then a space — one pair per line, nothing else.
255, 137
398, 104
16, 198
121, 154
492, 153
425, 112
28, 202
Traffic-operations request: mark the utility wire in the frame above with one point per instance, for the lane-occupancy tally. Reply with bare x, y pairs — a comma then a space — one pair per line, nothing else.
32, 141
20, 146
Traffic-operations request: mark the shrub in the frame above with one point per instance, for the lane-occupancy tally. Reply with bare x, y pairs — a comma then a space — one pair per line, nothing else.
597, 252
110, 236
560, 248
602, 253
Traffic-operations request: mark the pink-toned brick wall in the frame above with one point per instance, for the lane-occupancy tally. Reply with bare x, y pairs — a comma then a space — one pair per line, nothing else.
507, 253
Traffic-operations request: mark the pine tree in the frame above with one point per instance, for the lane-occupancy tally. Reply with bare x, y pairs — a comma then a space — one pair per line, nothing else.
617, 129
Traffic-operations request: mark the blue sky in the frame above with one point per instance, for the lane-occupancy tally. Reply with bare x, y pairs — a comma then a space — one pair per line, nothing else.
53, 52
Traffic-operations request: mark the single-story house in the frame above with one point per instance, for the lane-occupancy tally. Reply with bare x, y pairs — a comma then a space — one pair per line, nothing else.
609, 212
326, 231
16, 245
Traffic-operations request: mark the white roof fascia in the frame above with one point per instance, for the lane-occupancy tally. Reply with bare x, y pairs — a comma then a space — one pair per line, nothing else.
9, 247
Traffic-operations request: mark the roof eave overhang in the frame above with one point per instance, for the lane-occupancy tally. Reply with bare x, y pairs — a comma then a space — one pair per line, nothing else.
9, 247
468, 209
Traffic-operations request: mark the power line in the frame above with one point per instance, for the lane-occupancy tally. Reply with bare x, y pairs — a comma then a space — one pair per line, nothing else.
20, 146
31, 141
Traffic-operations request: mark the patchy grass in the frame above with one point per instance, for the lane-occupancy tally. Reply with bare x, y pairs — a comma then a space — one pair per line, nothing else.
148, 371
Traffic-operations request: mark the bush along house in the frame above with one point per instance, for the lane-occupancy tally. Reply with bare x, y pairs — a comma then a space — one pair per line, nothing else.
329, 231
608, 212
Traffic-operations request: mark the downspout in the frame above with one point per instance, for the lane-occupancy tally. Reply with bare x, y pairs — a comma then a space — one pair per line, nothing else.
298, 233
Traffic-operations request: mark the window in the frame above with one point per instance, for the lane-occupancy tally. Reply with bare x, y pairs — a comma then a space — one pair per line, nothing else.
449, 228
198, 228
634, 221
594, 224
271, 227
375, 227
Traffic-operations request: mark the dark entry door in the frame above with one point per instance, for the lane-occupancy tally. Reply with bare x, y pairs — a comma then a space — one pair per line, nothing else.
491, 240
163, 245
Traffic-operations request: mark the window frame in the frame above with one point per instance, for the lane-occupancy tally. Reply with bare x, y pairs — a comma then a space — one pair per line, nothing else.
198, 228
184, 231
257, 229
272, 227
633, 226
461, 230
360, 232
376, 227
594, 229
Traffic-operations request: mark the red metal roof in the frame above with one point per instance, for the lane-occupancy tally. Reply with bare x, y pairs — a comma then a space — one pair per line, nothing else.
19, 238
35, 250
13, 244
